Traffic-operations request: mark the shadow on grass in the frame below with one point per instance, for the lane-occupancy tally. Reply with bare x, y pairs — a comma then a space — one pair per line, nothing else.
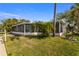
37, 37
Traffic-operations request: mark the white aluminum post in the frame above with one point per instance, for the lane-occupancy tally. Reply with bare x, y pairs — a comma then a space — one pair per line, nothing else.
17, 28
24, 29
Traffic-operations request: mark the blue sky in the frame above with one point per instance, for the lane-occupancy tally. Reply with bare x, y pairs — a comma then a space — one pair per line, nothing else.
31, 11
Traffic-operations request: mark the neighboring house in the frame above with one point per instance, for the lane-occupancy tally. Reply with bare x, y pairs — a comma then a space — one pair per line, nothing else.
27, 28
60, 27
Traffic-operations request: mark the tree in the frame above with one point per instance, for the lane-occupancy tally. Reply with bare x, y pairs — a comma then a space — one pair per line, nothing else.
73, 17
23, 20
44, 27
1, 27
7, 23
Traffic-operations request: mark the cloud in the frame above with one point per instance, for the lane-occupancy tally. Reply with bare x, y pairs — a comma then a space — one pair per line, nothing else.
9, 15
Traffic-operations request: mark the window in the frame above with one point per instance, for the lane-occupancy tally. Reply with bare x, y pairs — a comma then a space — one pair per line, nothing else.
29, 28
20, 28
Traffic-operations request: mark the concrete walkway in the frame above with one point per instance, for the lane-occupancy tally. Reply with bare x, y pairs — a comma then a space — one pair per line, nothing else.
2, 48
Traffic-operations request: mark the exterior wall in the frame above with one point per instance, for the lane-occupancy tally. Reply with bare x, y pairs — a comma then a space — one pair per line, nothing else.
27, 33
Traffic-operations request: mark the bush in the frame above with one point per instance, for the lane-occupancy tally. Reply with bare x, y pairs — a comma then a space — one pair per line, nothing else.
46, 28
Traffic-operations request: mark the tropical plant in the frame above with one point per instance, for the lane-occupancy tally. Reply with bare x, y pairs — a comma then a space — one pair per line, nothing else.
23, 20
44, 27
7, 23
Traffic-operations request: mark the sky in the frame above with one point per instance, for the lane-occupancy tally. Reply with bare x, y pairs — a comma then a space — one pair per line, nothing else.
31, 11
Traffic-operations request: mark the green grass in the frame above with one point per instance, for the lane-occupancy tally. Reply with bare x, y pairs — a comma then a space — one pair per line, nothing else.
50, 46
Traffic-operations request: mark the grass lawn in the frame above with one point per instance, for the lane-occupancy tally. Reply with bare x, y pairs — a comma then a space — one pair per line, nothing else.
50, 46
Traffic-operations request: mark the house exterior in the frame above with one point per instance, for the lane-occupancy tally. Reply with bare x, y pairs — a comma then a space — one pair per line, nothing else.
27, 28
